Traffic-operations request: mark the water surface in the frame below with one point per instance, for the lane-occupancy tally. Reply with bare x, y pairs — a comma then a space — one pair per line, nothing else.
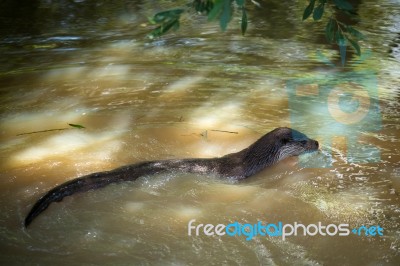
141, 99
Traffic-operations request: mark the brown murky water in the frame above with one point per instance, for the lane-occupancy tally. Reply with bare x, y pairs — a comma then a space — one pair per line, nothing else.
163, 99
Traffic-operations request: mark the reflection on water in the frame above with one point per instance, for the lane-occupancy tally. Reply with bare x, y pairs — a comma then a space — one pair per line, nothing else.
148, 100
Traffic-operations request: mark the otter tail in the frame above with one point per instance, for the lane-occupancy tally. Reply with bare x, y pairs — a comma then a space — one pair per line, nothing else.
94, 181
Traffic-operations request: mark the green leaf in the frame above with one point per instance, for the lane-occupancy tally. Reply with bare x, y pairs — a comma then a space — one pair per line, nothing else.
318, 11
244, 21
309, 9
203, 6
341, 41
216, 10
209, 5
166, 20
355, 33
355, 46
330, 30
164, 27
166, 15
76, 126
343, 4
226, 14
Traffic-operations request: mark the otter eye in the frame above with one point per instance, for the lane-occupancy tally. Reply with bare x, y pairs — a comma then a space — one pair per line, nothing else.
285, 141
304, 142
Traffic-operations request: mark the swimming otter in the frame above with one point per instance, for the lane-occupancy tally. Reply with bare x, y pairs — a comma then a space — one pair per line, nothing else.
274, 146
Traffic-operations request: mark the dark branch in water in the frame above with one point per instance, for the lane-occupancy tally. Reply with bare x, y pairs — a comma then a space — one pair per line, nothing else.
41, 131
232, 132
54, 129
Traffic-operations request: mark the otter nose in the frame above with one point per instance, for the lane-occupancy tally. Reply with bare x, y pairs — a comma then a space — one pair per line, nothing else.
316, 144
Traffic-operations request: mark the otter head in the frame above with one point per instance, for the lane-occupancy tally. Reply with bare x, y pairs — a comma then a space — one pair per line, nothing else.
293, 143
276, 145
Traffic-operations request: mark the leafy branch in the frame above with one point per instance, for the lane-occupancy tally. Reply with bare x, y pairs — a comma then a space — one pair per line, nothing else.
336, 31
222, 10
167, 20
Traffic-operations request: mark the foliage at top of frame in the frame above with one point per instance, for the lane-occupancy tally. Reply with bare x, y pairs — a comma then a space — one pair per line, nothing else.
222, 11
336, 31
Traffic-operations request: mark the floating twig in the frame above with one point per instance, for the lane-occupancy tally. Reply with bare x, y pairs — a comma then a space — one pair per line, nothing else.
41, 131
76, 126
225, 131
53, 129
